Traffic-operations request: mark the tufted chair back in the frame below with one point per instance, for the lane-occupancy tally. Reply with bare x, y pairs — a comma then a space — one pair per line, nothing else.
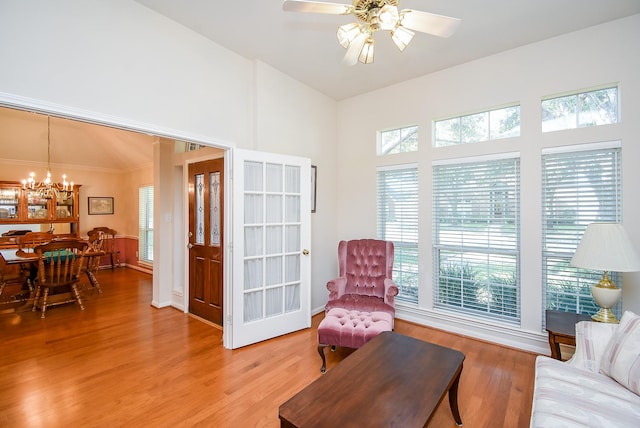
365, 263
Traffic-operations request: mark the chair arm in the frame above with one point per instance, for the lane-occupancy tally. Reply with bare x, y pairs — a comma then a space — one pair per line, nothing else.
336, 287
390, 290
592, 339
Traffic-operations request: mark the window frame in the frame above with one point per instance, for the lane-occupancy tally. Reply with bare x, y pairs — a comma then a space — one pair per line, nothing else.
576, 123
555, 263
408, 128
490, 136
493, 274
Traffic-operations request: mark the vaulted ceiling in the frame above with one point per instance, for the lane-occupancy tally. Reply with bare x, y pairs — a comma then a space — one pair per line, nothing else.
23, 137
304, 46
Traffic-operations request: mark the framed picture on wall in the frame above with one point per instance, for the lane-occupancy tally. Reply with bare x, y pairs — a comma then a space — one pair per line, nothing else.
100, 205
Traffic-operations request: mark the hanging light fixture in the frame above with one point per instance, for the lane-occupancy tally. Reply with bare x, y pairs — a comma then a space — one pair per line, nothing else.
375, 15
47, 188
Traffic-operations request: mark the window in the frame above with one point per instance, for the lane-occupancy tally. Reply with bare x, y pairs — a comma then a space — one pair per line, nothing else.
579, 187
399, 140
145, 233
398, 222
473, 128
476, 214
599, 107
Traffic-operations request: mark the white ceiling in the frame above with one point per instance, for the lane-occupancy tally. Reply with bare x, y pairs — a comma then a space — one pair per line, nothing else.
304, 45
24, 138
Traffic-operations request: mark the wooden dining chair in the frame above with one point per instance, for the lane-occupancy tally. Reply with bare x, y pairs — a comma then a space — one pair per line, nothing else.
28, 241
107, 238
8, 275
59, 268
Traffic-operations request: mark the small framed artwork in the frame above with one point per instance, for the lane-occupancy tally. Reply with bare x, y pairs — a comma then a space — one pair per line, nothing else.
100, 205
314, 176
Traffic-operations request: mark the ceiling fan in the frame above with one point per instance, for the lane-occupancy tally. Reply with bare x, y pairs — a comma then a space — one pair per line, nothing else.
375, 15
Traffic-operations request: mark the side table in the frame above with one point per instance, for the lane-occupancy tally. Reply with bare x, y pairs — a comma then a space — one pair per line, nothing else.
562, 329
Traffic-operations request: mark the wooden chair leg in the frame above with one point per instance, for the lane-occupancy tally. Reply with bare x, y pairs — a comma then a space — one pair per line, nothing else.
44, 301
321, 347
76, 293
36, 297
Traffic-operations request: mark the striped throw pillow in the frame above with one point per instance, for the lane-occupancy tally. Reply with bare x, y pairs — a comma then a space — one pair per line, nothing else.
621, 360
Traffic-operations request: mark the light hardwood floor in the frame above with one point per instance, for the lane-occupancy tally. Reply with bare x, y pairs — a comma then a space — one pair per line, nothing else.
122, 362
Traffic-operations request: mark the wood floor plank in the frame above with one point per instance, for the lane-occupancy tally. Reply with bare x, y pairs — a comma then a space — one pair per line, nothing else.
121, 362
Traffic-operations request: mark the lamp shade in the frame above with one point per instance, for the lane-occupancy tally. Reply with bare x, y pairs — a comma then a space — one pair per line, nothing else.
607, 247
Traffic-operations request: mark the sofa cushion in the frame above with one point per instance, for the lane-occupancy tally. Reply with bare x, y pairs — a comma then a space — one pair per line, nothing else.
566, 396
591, 343
621, 360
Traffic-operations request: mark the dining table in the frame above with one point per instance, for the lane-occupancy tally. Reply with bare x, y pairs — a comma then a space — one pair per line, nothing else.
28, 260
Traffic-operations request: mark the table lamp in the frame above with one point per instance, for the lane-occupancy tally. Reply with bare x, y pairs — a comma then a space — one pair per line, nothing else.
606, 247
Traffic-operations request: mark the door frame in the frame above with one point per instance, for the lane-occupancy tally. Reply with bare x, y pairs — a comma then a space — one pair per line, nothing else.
162, 284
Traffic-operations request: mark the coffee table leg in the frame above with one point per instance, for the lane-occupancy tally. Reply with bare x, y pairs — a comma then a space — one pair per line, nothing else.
453, 399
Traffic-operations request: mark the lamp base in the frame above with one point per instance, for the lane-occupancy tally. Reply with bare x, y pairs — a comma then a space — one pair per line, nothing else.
605, 315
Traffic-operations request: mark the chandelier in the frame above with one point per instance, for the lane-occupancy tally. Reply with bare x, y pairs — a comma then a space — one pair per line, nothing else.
47, 189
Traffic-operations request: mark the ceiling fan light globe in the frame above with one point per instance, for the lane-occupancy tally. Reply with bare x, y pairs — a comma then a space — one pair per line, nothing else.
347, 33
354, 49
366, 54
388, 17
401, 37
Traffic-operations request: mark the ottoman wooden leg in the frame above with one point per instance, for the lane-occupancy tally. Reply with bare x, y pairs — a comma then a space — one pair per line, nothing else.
321, 347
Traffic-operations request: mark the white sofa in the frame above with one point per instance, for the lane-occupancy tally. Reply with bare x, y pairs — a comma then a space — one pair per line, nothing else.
599, 386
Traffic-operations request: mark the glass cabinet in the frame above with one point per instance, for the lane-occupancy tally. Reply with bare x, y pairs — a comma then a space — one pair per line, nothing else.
28, 206
10, 203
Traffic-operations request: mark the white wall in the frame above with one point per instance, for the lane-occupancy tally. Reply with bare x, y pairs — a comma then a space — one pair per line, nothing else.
296, 120
118, 61
118, 58
599, 55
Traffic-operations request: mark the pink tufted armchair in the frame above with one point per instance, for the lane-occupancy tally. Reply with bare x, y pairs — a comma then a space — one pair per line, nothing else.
361, 300
365, 282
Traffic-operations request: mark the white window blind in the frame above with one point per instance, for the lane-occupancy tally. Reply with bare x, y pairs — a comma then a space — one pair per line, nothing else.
398, 222
477, 238
145, 231
578, 188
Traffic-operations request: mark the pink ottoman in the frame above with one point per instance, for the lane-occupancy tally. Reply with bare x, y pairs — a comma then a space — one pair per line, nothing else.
350, 329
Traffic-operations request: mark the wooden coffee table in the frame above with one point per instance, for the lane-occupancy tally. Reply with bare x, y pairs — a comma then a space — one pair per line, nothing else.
393, 380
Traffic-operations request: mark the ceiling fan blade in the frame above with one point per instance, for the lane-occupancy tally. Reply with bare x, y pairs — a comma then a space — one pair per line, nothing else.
430, 23
316, 7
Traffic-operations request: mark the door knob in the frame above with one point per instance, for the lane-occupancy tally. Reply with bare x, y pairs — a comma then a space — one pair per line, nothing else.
305, 252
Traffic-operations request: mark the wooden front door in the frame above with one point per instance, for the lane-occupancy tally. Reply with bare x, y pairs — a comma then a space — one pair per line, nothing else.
206, 239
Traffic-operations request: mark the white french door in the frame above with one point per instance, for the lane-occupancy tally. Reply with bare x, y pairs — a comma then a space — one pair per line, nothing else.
271, 293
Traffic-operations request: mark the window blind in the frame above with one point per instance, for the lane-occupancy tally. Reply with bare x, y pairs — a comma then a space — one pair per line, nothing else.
397, 194
145, 224
578, 187
476, 236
